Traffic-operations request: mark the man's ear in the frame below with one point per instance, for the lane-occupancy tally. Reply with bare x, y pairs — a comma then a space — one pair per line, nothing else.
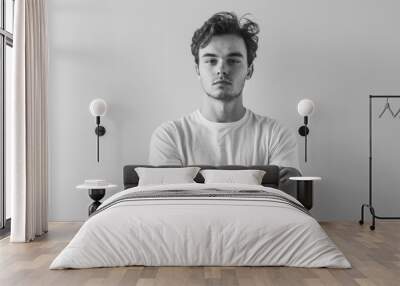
250, 70
196, 67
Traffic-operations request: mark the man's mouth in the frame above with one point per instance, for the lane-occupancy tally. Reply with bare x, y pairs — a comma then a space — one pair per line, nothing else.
222, 81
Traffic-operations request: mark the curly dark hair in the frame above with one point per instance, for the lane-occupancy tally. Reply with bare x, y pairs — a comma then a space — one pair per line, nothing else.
226, 23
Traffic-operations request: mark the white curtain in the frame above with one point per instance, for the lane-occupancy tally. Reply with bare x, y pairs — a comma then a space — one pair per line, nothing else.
26, 129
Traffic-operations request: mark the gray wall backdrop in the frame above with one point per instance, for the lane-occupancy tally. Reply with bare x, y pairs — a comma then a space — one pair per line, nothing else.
136, 56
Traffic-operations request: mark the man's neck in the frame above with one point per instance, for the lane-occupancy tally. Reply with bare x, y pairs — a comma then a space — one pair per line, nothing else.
219, 111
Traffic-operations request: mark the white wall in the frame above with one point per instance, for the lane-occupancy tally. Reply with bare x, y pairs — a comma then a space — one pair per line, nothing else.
136, 55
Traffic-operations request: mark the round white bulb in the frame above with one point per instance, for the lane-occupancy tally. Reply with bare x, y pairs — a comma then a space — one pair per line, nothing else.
305, 107
98, 107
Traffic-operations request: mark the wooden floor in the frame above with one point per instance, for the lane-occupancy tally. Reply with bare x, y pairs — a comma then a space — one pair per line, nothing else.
374, 255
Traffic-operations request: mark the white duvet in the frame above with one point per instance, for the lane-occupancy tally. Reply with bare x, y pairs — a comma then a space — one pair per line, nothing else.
200, 231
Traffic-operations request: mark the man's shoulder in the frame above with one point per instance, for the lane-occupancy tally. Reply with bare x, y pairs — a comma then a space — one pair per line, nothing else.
190, 118
174, 125
263, 120
268, 123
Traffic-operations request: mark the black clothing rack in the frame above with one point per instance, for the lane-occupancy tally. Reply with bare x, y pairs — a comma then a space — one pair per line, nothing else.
369, 205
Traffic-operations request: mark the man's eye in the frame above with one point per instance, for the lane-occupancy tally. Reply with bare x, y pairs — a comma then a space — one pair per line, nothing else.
233, 61
211, 61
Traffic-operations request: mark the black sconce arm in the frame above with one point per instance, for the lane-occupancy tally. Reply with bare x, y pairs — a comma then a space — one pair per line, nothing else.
100, 131
303, 131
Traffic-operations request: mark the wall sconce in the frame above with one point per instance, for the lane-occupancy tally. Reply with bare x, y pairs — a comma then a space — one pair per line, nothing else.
305, 108
98, 107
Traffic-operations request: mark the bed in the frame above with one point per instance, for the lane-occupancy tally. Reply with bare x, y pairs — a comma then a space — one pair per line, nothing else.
201, 224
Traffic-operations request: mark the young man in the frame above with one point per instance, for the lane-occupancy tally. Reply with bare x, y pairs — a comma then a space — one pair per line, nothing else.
223, 131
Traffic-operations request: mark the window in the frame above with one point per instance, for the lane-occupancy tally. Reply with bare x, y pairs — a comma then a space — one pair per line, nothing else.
6, 44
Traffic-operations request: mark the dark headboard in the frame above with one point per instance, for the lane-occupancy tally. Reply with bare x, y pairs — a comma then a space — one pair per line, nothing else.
270, 179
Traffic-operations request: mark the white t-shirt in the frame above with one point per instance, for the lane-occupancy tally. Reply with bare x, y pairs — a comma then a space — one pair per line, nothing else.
252, 140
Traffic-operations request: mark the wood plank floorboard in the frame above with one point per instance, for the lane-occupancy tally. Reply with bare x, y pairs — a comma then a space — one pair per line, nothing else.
374, 255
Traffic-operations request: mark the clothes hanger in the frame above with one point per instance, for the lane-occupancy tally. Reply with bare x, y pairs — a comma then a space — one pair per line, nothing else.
395, 115
387, 106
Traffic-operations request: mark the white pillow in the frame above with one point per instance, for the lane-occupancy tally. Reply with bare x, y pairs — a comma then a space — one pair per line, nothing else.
249, 177
162, 176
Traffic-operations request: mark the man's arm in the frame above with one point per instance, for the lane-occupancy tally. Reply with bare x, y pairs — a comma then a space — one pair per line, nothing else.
284, 183
284, 154
163, 149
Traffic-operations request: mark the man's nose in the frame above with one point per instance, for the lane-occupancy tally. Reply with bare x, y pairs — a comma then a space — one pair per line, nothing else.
222, 69
222, 73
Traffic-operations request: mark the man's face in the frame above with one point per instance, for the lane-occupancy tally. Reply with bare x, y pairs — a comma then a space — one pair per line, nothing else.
223, 67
